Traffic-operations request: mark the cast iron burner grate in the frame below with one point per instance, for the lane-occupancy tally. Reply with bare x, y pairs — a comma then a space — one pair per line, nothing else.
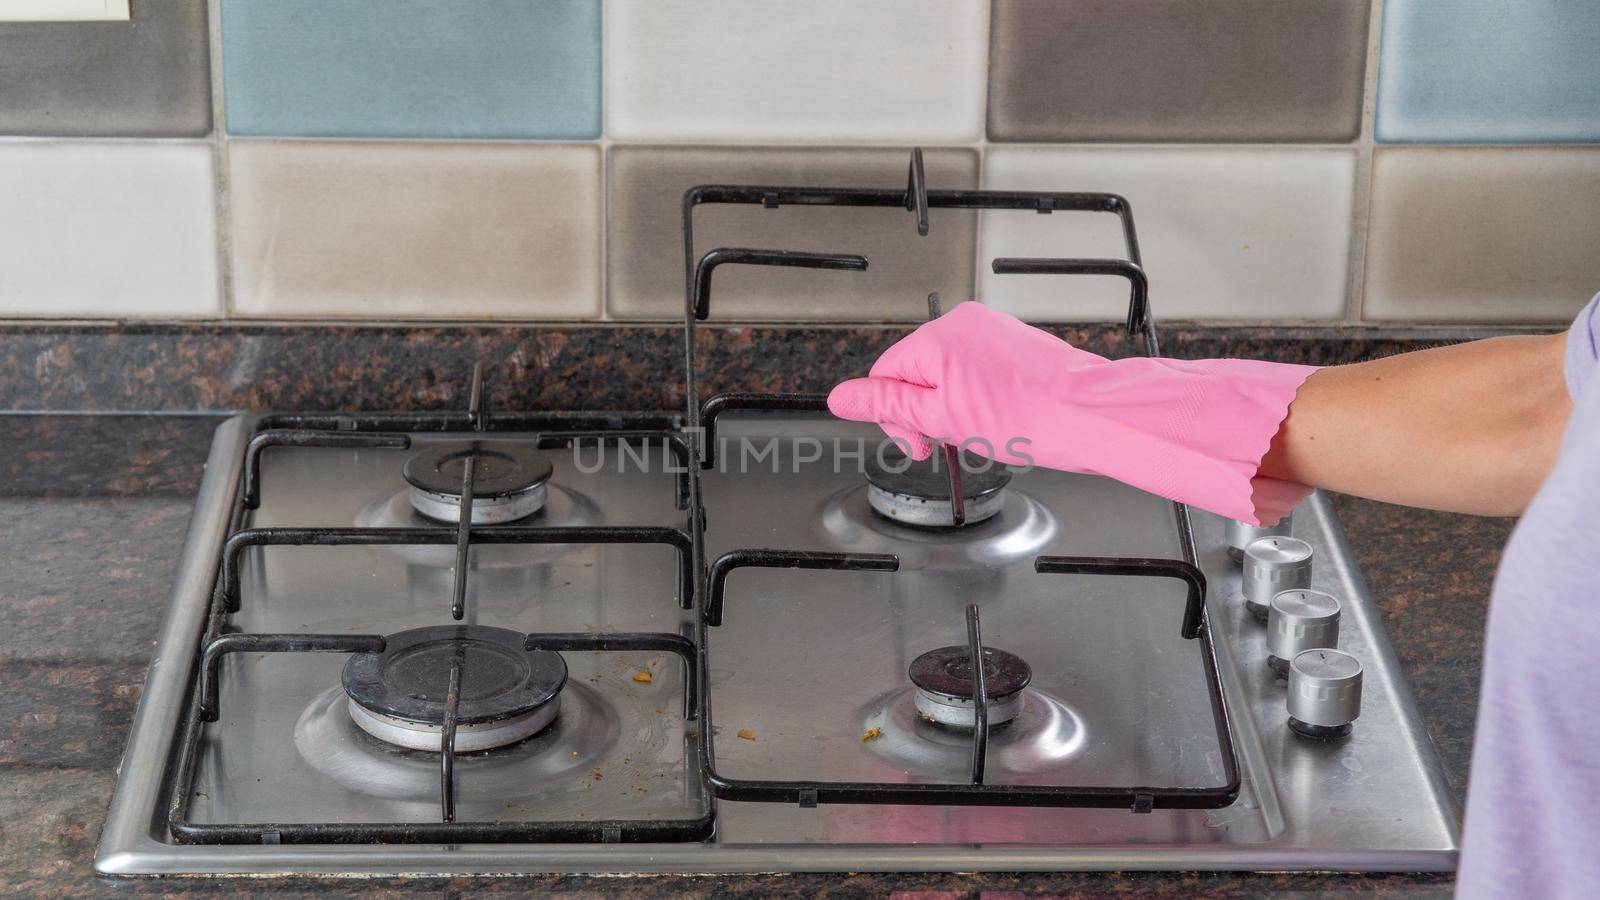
476, 668
507, 692
702, 421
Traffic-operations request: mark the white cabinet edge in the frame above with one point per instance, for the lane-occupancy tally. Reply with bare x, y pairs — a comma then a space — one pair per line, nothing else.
64, 10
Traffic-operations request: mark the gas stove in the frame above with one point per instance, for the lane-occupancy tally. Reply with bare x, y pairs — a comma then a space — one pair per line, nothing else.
743, 638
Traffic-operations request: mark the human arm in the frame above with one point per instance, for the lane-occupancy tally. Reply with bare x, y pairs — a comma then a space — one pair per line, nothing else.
1470, 428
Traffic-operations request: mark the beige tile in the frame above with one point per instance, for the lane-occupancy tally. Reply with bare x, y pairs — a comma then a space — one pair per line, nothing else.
645, 234
118, 230
442, 231
1483, 234
1232, 233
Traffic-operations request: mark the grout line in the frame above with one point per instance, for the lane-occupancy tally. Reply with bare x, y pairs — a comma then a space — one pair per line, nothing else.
603, 145
220, 160
1361, 202
603, 281
139, 140
982, 148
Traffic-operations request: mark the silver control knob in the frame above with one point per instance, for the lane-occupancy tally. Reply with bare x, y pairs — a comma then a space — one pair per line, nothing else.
1242, 534
1273, 565
1324, 693
1300, 620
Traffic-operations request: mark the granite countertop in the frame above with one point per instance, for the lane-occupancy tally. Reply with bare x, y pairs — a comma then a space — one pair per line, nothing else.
94, 510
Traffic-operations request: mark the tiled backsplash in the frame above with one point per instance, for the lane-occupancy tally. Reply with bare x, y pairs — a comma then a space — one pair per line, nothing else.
524, 159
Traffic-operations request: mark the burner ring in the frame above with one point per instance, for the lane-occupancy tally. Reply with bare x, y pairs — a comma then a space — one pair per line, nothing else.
943, 679
918, 493
508, 482
469, 738
500, 681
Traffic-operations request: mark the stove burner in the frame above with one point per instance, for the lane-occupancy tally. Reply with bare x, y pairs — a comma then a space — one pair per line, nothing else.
918, 493
507, 693
509, 481
944, 685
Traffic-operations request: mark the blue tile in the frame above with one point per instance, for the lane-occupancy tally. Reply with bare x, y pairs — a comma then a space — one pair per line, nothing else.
1489, 71
412, 68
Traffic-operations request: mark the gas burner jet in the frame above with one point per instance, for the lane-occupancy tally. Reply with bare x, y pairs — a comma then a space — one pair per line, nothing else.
946, 692
914, 492
509, 481
505, 693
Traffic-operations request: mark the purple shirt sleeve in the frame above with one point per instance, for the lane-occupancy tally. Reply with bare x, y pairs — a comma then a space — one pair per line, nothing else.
1583, 348
1532, 826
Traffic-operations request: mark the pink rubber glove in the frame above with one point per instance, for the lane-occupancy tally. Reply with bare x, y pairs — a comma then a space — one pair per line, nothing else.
1187, 430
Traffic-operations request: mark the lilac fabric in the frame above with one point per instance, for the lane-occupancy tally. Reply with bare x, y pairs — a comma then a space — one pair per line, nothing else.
1533, 803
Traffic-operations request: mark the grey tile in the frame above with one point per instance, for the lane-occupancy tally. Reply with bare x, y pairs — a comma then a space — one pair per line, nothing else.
148, 76
1482, 234
645, 234
1177, 70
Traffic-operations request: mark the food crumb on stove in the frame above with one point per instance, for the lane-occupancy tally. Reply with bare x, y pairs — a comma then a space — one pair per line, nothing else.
643, 677
597, 775
872, 734
747, 734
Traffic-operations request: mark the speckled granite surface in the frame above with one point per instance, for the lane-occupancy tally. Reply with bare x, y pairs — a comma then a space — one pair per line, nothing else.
262, 367
93, 509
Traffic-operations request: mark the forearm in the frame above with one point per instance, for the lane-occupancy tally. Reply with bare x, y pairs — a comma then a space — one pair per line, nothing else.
1469, 428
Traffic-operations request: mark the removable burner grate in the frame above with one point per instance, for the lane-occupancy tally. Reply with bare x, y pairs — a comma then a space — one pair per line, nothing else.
509, 480
918, 493
507, 693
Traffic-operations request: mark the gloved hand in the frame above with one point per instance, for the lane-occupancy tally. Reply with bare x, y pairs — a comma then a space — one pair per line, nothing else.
1187, 430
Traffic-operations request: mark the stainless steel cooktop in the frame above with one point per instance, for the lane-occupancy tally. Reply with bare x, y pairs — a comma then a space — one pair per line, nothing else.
499, 641
805, 665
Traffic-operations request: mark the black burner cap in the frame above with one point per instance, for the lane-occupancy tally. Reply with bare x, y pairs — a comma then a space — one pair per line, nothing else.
930, 478
503, 467
948, 671
499, 679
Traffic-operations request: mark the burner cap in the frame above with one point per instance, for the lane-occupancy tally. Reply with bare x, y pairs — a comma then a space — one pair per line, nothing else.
943, 678
508, 480
507, 692
918, 493
504, 467
948, 671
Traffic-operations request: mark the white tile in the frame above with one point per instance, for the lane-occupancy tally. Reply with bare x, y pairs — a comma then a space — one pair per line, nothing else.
837, 71
107, 230
1242, 233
